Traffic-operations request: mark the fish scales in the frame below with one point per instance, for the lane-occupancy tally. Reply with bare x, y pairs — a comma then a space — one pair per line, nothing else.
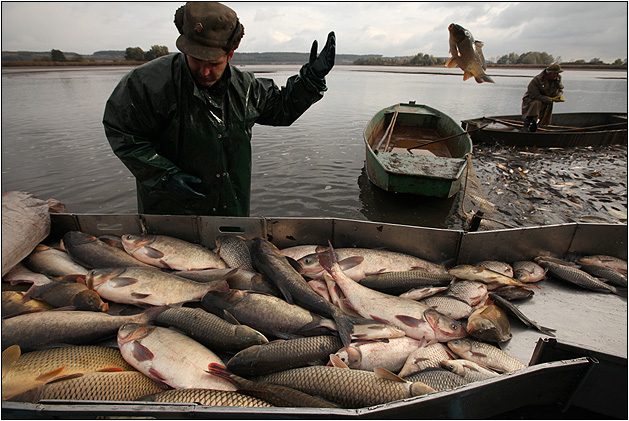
34, 330
469, 370
607, 261
438, 378
467, 54
98, 386
169, 357
450, 306
73, 294
348, 388
389, 354
12, 304
527, 271
577, 277
424, 357
207, 397
418, 320
234, 251
490, 324
358, 263
93, 253
610, 275
283, 355
270, 261
497, 266
485, 355
210, 330
168, 252
51, 261
236, 278
266, 313
472, 292
148, 286
276, 394
26, 371
399, 282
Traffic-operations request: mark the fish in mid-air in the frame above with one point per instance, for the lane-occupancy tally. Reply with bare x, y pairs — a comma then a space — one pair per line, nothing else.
467, 54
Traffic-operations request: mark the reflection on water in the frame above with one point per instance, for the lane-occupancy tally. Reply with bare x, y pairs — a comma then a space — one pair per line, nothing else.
53, 143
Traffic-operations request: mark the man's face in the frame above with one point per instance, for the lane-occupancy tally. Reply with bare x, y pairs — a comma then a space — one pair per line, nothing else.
551, 75
207, 73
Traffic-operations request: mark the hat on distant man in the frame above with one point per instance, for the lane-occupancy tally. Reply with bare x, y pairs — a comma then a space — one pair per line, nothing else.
555, 68
208, 30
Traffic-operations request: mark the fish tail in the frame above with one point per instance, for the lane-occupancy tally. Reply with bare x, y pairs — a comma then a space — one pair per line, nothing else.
345, 327
484, 78
622, 292
221, 371
327, 259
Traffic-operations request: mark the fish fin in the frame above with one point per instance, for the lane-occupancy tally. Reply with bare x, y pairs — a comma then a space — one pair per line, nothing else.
32, 395
221, 286
294, 263
152, 252
320, 249
46, 377
378, 319
141, 353
410, 321
221, 371
9, 358
483, 78
467, 75
345, 327
67, 377
230, 318
451, 62
122, 282
156, 374
337, 362
152, 312
286, 293
139, 295
376, 272
382, 373
351, 262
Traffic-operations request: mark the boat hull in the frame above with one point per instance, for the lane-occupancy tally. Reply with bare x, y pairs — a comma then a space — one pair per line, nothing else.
426, 174
591, 129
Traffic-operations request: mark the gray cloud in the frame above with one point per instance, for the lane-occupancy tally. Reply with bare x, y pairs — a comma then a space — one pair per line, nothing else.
571, 30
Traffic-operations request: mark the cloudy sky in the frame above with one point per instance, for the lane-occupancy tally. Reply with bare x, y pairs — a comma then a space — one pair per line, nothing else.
569, 30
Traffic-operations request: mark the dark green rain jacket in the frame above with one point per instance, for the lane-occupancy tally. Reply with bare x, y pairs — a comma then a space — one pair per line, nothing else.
158, 122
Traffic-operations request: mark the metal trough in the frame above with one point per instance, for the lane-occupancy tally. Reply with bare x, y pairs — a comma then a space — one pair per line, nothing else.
585, 366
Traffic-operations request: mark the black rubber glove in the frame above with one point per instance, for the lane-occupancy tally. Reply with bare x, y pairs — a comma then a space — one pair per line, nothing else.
178, 184
322, 64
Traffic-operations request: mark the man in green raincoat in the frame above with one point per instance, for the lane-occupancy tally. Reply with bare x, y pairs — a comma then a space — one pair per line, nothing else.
182, 123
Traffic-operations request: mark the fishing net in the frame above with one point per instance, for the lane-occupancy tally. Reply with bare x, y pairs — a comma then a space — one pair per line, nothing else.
473, 198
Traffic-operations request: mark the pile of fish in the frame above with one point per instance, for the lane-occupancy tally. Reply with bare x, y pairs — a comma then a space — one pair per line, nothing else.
156, 318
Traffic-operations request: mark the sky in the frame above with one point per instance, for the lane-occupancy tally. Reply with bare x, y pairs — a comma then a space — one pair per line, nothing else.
566, 30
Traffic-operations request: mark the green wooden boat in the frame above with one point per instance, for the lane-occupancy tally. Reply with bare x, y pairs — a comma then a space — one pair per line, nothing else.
413, 148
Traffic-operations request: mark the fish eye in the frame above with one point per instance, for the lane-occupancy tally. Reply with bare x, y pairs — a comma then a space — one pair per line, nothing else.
454, 326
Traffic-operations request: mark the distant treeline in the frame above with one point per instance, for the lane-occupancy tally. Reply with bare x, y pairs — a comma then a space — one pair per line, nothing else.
135, 55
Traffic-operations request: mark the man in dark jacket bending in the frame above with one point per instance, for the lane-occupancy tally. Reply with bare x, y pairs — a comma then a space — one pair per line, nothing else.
182, 123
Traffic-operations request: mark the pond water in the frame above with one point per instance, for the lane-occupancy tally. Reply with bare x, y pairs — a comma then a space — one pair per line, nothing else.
54, 146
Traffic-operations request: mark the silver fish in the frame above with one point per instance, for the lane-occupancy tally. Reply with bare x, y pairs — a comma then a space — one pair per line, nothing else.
527, 271
53, 262
485, 354
234, 251
93, 253
169, 357
578, 277
389, 354
171, 253
424, 357
469, 370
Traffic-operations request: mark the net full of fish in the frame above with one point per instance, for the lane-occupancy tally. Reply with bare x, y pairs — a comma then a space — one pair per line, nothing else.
289, 339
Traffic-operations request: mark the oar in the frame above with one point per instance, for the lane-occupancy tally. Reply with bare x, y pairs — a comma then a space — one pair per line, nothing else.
391, 124
446, 138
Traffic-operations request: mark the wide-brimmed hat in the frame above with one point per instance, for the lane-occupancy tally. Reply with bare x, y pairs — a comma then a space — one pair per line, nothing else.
555, 68
208, 30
